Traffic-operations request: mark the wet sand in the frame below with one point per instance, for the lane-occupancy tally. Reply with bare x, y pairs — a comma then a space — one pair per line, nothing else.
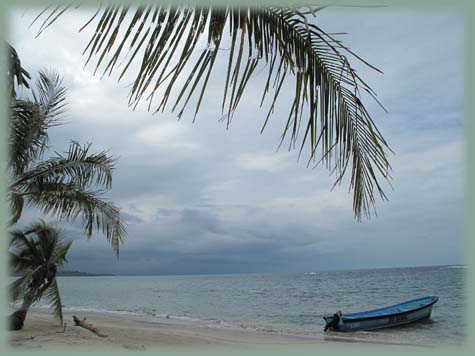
43, 331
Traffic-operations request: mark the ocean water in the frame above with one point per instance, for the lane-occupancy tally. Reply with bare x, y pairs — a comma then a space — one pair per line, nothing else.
291, 303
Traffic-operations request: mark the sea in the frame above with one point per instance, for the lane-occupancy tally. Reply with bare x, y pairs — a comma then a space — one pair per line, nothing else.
287, 303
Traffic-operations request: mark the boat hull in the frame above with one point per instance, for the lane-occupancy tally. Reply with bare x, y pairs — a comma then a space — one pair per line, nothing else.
355, 323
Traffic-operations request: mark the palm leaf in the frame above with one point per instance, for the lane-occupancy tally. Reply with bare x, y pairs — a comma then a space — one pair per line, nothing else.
28, 134
16, 72
16, 206
37, 251
77, 170
53, 296
70, 201
18, 287
50, 94
47, 240
58, 256
294, 49
19, 262
30, 121
20, 241
78, 165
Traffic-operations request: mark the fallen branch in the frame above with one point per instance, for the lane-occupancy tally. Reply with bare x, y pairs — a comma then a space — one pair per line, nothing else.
82, 324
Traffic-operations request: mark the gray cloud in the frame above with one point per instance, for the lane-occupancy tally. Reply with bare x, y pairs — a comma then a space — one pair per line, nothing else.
198, 198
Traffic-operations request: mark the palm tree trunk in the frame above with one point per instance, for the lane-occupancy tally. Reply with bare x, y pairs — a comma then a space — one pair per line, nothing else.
17, 319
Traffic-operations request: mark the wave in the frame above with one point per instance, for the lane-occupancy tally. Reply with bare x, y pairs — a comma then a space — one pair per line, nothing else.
182, 320
151, 317
94, 310
144, 316
453, 266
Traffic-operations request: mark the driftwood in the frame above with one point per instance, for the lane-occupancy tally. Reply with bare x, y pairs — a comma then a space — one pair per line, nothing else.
82, 324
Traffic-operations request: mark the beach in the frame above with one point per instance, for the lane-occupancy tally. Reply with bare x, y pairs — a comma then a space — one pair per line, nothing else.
42, 331
247, 309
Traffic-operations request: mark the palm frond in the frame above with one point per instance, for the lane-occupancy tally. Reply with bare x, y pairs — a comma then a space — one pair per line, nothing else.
19, 262
71, 202
18, 287
77, 169
164, 40
39, 242
16, 73
16, 206
54, 298
37, 251
50, 94
30, 121
47, 240
20, 241
80, 166
28, 134
58, 256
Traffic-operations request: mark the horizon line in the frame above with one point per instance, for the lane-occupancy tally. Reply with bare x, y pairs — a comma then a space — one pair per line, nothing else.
242, 273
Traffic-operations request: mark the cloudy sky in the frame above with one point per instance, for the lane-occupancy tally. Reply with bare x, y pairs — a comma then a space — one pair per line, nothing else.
198, 198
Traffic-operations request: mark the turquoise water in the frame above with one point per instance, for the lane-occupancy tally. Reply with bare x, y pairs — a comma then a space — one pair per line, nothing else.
284, 303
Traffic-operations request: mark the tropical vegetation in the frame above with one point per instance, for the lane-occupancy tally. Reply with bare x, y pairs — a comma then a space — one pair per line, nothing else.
69, 186
36, 254
166, 46
163, 47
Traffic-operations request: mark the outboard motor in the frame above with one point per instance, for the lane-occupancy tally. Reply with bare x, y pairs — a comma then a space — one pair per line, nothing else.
334, 321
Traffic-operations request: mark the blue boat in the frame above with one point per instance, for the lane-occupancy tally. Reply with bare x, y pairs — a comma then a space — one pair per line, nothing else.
394, 315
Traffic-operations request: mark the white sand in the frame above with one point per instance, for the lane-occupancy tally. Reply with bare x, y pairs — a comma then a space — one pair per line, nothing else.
41, 330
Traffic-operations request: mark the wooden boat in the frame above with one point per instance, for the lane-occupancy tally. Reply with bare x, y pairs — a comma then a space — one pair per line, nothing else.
398, 314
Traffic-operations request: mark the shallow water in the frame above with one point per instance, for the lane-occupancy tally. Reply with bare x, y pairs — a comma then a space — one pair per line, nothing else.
290, 303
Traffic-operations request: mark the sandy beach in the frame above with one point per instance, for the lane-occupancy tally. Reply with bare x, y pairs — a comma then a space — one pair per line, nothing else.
42, 331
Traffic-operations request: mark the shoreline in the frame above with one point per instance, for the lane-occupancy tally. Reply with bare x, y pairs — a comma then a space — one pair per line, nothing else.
42, 330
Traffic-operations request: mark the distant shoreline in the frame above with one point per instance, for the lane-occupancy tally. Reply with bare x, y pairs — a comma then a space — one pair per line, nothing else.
86, 274
83, 274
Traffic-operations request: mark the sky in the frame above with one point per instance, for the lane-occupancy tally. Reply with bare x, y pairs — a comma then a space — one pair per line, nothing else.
198, 198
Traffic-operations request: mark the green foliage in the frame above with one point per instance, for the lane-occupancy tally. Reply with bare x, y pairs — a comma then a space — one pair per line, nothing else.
16, 72
31, 119
54, 298
36, 253
327, 114
68, 186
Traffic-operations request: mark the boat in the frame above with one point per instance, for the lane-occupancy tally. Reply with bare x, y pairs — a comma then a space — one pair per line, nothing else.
394, 315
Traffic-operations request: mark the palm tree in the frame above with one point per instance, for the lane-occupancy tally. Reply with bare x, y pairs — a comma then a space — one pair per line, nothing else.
16, 71
173, 42
68, 186
60, 185
36, 253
